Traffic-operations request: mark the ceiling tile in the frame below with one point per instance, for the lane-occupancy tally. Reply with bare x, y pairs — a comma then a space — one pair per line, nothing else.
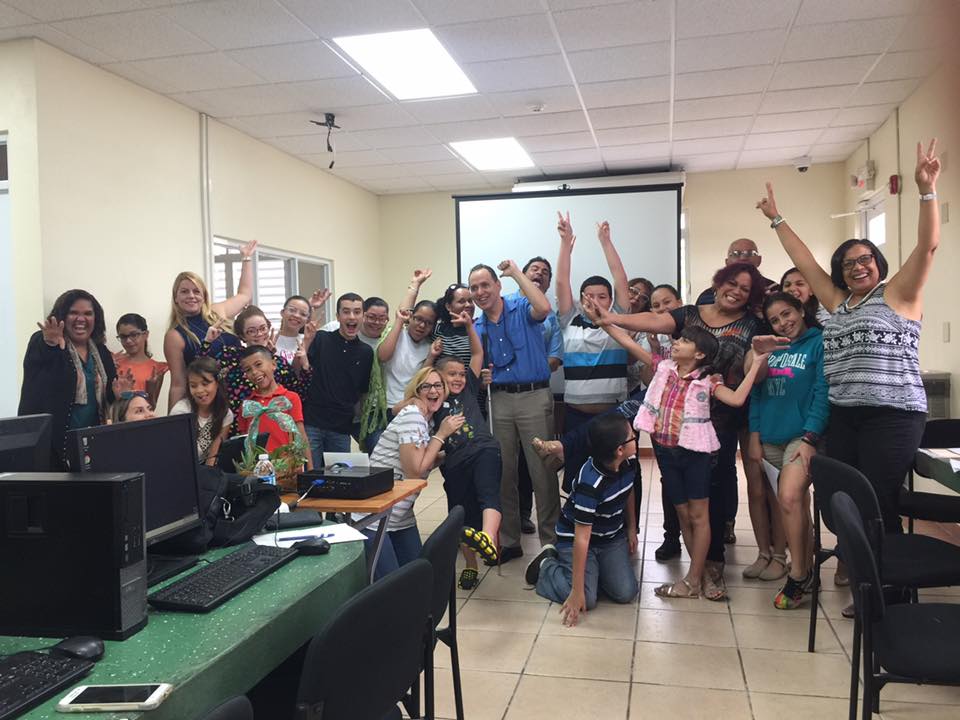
229, 24
575, 4
458, 181
640, 165
706, 145
633, 135
759, 158
279, 125
852, 133
398, 185
335, 93
845, 150
11, 18
711, 128
235, 102
357, 158
567, 157
336, 18
924, 32
696, 18
864, 115
782, 122
560, 141
819, 73
416, 154
134, 35
51, 10
630, 115
844, 39
395, 137
723, 82
710, 162
716, 107
780, 101
729, 51
444, 12
451, 165
612, 25
372, 172
547, 123
876, 93
292, 62
904, 65
468, 107
498, 39
314, 144
518, 74
556, 99
764, 141
373, 117
132, 73
469, 130
635, 152
205, 71
587, 169
620, 63
639, 91
827, 11
58, 39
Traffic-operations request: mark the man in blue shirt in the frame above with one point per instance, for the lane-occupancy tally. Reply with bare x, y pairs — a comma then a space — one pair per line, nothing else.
511, 331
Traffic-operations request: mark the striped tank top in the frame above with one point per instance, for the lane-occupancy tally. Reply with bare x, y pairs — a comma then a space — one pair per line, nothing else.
871, 356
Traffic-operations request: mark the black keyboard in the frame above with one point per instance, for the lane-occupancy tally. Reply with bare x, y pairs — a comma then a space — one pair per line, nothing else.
28, 678
214, 584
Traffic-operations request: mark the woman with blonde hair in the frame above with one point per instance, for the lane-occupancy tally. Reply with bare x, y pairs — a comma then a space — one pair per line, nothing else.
192, 317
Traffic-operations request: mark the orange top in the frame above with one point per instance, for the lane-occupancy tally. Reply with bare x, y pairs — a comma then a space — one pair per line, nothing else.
141, 370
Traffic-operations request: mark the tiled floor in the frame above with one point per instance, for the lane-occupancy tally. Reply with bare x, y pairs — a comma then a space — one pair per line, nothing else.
666, 660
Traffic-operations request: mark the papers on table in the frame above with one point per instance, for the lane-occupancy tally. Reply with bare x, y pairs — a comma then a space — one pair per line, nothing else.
331, 533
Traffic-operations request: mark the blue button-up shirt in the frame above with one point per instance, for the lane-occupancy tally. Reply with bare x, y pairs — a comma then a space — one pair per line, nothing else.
515, 344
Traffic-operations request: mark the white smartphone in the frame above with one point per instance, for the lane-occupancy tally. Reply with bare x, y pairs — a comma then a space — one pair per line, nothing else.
109, 698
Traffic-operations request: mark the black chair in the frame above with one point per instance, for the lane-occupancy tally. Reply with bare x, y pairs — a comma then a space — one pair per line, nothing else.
905, 561
369, 654
915, 643
237, 708
916, 505
441, 550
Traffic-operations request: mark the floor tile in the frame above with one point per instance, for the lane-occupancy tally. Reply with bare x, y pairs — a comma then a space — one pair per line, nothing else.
504, 615
935, 694
768, 706
654, 572
485, 694
488, 650
581, 657
687, 665
690, 628
506, 587
658, 702
607, 620
917, 711
786, 632
650, 601
796, 673
550, 698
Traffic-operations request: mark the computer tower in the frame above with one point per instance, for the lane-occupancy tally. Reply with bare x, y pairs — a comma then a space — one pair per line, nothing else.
72, 558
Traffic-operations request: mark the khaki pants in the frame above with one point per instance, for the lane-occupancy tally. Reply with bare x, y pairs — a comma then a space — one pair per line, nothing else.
517, 419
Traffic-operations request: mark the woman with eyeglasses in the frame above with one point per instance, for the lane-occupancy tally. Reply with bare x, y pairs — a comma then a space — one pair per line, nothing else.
135, 362
296, 313
132, 407
456, 343
407, 447
878, 407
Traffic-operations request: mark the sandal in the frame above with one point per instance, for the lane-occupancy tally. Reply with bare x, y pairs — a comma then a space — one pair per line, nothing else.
759, 565
481, 542
547, 448
714, 586
776, 569
680, 589
469, 579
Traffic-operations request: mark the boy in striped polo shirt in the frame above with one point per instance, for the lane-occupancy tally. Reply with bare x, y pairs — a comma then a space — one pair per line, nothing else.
597, 529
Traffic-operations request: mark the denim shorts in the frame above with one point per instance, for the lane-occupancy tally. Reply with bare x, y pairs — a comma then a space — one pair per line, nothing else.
685, 474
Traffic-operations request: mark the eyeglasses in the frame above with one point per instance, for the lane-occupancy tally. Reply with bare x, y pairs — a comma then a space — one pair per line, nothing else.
259, 330
429, 386
862, 260
628, 441
743, 254
420, 321
376, 319
130, 336
292, 311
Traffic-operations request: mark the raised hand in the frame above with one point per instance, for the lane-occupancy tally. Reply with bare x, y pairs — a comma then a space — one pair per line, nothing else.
52, 330
404, 315
421, 276
596, 314
123, 383
213, 332
766, 344
565, 229
155, 381
271, 342
436, 348
928, 168
451, 425
319, 298
603, 232
463, 319
508, 268
249, 249
309, 333
768, 205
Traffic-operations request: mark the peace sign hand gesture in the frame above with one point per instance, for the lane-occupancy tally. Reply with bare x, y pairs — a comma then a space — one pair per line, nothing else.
565, 229
768, 205
928, 168
53, 332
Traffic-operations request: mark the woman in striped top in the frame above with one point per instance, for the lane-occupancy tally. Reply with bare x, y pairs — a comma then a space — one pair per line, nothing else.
871, 343
456, 342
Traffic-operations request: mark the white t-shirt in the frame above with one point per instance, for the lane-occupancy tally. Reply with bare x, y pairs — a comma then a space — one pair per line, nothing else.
334, 325
407, 358
205, 434
287, 345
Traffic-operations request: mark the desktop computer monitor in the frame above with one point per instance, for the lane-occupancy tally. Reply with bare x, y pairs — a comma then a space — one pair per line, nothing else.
165, 450
25, 444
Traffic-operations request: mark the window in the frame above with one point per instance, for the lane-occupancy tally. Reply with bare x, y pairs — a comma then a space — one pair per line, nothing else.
684, 269
877, 227
277, 276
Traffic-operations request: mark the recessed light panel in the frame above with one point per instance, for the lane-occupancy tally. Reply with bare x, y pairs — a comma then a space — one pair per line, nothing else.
495, 154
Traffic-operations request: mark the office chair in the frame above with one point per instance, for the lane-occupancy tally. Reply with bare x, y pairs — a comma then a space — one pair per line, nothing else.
908, 561
913, 643
937, 434
236, 708
369, 654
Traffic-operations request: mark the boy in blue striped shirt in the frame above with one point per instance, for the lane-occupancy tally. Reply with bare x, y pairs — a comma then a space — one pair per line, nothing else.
596, 531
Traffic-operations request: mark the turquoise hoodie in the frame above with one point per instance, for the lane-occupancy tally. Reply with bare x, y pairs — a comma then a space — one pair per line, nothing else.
792, 399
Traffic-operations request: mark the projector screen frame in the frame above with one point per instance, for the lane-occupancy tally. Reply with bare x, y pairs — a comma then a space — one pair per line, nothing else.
662, 187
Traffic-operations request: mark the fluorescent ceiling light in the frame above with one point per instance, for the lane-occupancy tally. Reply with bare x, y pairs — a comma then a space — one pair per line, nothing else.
410, 64
496, 154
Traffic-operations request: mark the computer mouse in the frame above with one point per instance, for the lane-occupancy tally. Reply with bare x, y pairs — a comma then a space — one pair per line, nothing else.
80, 646
313, 546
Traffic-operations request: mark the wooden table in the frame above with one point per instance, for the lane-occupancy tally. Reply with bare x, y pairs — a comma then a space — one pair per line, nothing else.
377, 507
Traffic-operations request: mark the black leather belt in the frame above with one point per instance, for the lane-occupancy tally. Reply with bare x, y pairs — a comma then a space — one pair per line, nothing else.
521, 387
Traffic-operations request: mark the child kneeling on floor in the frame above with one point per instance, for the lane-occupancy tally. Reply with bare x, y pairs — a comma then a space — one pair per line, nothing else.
597, 529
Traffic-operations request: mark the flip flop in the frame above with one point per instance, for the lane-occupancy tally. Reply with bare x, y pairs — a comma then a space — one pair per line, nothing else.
669, 590
481, 542
714, 587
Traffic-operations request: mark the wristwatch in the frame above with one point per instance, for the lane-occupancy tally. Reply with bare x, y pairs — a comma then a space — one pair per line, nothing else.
928, 196
811, 438
777, 221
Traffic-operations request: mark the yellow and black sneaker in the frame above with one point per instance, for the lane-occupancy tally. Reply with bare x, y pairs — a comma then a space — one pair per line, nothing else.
482, 543
469, 579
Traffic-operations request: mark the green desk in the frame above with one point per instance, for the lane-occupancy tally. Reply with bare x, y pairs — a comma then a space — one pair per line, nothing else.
211, 657
937, 465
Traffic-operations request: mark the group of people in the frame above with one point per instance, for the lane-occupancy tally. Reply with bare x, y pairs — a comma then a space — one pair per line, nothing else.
823, 361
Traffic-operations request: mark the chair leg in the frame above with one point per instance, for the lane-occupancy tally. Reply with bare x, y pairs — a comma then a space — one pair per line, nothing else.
429, 712
855, 668
814, 599
455, 654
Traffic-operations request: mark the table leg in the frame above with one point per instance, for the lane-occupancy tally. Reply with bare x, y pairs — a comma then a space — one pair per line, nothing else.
378, 537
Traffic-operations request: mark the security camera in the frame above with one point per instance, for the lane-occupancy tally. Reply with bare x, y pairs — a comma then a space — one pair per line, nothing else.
802, 164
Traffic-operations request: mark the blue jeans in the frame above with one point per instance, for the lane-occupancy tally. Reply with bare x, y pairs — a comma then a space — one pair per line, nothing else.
608, 568
399, 548
326, 441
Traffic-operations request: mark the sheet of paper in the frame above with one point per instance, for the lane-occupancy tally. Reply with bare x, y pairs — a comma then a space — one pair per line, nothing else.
773, 475
331, 533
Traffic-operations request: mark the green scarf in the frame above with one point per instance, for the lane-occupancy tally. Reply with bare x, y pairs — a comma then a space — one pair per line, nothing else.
373, 417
